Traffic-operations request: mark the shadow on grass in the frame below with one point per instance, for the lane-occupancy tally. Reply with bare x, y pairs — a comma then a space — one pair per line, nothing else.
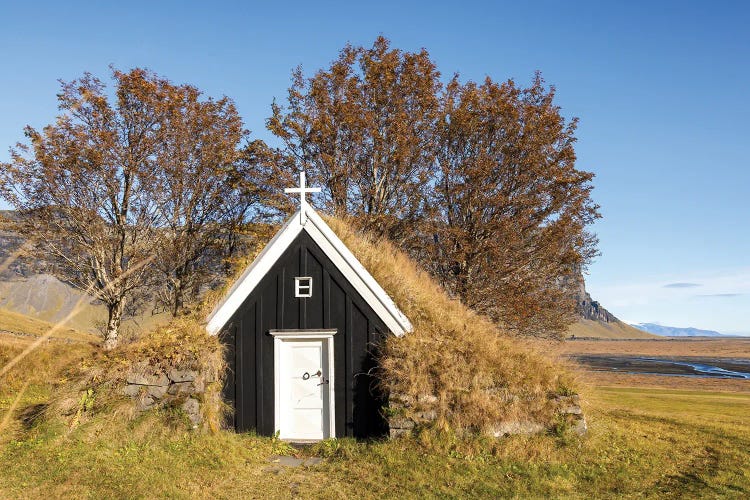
30, 415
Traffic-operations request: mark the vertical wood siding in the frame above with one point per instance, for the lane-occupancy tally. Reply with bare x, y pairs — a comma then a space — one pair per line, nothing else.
249, 386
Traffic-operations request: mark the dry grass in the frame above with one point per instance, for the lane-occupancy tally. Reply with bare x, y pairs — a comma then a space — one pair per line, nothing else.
455, 363
95, 391
642, 442
17, 323
708, 347
596, 329
614, 379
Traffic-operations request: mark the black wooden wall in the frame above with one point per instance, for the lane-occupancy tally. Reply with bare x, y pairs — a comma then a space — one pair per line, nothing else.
249, 385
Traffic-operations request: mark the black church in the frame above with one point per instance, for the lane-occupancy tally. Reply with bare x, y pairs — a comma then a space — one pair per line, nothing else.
301, 326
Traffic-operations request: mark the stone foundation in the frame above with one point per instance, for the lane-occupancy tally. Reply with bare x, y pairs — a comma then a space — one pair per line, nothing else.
153, 387
568, 413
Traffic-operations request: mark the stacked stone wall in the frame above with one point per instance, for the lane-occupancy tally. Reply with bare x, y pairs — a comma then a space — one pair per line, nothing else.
568, 415
156, 387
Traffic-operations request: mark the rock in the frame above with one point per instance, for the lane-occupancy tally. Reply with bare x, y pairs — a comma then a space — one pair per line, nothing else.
586, 307
181, 388
572, 410
192, 408
580, 427
513, 428
146, 376
176, 375
426, 415
400, 423
394, 433
199, 386
156, 391
427, 399
132, 390
146, 403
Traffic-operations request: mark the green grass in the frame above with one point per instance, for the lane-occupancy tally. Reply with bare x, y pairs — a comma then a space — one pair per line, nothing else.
642, 443
651, 443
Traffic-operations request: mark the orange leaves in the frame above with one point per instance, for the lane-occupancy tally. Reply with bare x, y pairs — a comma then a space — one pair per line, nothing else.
362, 129
511, 205
108, 183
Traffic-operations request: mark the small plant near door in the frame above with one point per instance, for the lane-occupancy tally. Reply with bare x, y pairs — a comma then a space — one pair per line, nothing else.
281, 447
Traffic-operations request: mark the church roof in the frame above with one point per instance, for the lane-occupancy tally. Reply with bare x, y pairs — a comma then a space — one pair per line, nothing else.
307, 219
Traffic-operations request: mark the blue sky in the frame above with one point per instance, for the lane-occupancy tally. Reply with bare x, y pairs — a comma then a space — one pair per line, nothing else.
661, 89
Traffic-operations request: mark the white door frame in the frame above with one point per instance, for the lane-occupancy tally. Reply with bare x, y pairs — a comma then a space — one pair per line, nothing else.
326, 336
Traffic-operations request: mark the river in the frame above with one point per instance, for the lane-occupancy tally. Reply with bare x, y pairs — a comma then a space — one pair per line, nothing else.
674, 366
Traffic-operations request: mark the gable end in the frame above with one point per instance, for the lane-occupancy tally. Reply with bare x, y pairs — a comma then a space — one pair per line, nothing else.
334, 249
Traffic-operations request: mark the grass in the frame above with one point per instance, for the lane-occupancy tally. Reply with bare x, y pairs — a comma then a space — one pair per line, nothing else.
642, 443
596, 329
14, 322
455, 365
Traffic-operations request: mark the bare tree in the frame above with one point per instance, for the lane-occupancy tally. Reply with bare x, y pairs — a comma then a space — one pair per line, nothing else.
197, 158
147, 177
84, 185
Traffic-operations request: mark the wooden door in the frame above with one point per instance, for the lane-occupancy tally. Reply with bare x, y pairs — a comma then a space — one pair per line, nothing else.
303, 388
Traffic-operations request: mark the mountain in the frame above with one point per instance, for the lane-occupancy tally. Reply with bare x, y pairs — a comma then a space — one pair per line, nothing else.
28, 287
595, 321
589, 309
587, 328
44, 297
673, 331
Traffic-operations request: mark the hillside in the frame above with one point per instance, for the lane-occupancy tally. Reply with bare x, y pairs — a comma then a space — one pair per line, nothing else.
606, 330
18, 324
596, 322
44, 297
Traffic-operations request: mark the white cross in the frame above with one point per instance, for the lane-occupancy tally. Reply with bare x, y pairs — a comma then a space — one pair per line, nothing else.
302, 190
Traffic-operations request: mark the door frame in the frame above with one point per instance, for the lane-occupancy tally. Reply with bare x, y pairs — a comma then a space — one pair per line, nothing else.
280, 336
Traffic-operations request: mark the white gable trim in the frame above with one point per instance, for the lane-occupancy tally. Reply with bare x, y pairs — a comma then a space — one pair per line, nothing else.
335, 250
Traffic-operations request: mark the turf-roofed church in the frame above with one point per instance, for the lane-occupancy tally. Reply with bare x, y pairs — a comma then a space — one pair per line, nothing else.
301, 325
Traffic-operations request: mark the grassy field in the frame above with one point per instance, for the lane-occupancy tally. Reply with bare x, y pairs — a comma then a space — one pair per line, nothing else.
642, 442
596, 329
15, 323
660, 346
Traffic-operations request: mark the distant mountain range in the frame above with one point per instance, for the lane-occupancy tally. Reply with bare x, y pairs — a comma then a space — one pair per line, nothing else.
673, 331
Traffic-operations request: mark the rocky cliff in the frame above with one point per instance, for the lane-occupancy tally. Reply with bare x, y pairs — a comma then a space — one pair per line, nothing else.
587, 308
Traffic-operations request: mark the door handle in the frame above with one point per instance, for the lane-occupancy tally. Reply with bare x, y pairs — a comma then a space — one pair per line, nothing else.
306, 375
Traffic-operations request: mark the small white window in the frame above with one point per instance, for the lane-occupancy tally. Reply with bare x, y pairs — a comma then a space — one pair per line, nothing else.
303, 286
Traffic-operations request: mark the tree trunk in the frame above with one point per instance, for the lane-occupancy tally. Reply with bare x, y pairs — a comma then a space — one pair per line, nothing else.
178, 293
113, 324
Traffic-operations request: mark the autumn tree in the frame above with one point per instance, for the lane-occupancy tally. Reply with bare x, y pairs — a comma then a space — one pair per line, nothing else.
511, 207
121, 188
363, 129
83, 184
201, 197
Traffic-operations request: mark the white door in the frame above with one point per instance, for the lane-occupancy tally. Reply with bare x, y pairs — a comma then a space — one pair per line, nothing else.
303, 388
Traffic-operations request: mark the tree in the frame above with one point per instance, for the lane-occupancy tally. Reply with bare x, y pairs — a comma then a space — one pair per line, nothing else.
117, 191
364, 130
511, 208
83, 184
197, 177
